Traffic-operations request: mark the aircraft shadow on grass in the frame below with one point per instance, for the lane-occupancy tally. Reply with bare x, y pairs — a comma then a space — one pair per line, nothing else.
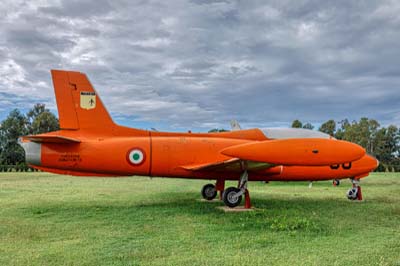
185, 203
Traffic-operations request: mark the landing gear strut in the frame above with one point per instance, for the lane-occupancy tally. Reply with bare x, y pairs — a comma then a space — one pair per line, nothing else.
220, 186
232, 196
354, 193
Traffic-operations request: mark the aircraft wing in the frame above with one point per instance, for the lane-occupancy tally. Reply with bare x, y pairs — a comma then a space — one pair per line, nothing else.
232, 165
51, 139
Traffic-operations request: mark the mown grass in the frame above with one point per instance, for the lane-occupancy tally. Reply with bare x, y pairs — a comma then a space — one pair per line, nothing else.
61, 220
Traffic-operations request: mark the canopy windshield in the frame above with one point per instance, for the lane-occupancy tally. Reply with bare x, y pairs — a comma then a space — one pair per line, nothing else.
293, 133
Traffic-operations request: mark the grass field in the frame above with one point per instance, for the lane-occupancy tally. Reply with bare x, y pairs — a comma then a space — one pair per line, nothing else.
61, 220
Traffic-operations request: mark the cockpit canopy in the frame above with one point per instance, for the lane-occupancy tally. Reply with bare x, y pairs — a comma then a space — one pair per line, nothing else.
293, 133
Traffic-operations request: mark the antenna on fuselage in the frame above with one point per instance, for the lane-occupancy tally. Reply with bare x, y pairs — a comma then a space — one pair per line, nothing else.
235, 125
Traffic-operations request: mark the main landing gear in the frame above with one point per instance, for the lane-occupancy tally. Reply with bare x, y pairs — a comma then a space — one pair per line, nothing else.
354, 193
232, 196
336, 182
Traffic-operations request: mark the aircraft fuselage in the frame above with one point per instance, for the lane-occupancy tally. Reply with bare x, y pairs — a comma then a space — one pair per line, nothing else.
165, 155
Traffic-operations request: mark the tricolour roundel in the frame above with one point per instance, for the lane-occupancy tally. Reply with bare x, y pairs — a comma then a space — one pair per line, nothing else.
135, 156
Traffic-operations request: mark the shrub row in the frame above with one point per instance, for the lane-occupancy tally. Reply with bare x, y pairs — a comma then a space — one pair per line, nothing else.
17, 168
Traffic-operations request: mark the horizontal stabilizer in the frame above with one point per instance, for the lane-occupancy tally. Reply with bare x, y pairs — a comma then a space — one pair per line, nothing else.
51, 139
301, 152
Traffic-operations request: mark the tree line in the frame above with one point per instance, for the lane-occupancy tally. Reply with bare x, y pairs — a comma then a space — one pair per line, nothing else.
37, 120
381, 142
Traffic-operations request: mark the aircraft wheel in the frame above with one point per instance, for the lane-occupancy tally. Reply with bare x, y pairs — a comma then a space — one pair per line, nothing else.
352, 194
209, 192
230, 198
336, 182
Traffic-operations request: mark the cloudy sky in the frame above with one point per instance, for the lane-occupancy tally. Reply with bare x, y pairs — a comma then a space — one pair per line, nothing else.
176, 65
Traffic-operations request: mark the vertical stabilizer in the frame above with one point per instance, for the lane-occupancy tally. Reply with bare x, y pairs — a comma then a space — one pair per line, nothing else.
79, 106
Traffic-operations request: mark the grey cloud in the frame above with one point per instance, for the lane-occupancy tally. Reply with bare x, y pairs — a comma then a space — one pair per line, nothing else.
201, 63
79, 8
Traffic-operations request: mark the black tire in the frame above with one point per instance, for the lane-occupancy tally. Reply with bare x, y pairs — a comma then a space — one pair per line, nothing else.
352, 193
209, 192
336, 182
229, 199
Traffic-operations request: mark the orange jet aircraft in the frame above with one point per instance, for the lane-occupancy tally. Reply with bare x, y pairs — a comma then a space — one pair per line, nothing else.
91, 144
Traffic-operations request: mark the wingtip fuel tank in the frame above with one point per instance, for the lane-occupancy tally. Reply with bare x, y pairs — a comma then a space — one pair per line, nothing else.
302, 152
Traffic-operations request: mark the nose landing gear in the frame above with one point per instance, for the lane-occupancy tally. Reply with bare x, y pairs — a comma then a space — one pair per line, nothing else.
354, 193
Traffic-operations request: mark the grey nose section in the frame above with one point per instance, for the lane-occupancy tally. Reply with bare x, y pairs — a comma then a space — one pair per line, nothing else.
33, 152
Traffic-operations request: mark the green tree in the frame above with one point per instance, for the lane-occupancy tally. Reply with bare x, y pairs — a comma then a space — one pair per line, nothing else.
329, 127
362, 132
14, 126
41, 120
369, 129
308, 126
344, 125
386, 147
393, 138
297, 124
217, 130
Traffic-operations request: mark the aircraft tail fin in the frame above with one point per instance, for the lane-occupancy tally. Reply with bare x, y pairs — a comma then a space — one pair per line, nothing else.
79, 106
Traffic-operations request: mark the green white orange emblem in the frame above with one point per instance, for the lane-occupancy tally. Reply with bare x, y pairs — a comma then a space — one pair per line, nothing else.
88, 100
135, 156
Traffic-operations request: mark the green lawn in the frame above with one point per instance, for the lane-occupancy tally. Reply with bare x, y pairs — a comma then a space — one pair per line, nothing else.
48, 219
